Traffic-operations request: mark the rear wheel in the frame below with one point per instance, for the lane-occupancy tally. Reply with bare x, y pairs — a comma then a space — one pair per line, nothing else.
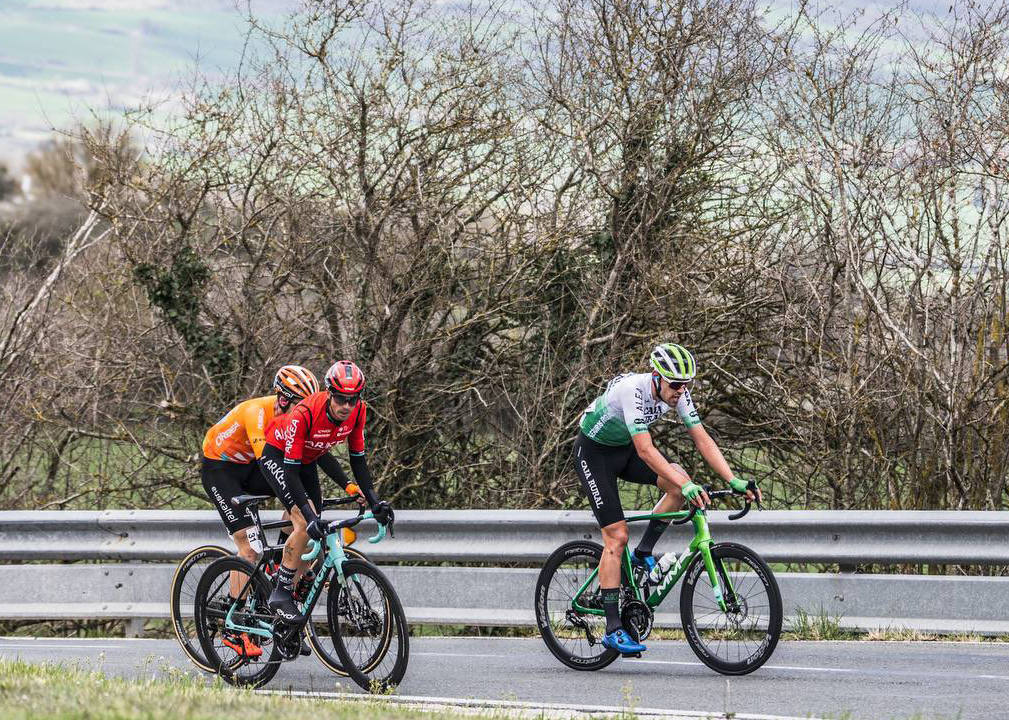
575, 638
183, 594
241, 658
368, 627
740, 640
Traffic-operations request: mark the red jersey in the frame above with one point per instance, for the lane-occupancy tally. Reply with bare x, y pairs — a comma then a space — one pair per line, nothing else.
306, 432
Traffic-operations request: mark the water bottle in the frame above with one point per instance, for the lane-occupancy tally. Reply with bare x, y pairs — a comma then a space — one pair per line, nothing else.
663, 565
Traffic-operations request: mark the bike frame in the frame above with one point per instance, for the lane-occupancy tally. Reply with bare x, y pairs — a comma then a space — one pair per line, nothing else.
700, 544
334, 559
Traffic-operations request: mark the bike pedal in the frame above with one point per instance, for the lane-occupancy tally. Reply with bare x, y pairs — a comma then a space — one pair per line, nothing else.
630, 655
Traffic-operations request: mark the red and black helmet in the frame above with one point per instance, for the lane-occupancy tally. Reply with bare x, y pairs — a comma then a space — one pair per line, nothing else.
345, 378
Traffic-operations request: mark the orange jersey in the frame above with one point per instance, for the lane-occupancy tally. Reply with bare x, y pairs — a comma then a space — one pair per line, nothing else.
239, 436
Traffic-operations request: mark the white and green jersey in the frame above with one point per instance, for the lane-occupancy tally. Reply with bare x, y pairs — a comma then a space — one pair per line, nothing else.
628, 407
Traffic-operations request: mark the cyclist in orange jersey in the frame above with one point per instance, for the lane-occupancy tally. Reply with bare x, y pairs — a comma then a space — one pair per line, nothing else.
230, 450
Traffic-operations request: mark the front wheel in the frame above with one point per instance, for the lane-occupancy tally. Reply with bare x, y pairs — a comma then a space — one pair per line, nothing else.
316, 632
573, 636
740, 639
368, 627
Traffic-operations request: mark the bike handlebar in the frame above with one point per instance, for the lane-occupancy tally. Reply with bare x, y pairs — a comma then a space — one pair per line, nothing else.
336, 525
715, 495
334, 502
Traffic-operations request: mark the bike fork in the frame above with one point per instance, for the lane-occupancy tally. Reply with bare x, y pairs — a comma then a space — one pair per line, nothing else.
716, 587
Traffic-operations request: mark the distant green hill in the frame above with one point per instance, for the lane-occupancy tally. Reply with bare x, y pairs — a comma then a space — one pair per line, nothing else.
60, 57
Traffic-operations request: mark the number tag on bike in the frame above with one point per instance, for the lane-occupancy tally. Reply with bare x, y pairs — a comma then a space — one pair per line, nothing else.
252, 534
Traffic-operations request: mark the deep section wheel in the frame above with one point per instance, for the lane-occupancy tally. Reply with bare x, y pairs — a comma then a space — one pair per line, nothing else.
740, 639
574, 637
240, 657
183, 593
368, 627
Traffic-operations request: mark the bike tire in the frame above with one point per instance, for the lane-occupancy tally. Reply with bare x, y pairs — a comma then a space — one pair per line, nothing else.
229, 666
703, 632
182, 595
579, 552
351, 613
324, 650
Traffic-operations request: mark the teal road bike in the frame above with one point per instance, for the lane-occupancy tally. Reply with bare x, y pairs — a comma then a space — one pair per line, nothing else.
730, 605
191, 567
364, 618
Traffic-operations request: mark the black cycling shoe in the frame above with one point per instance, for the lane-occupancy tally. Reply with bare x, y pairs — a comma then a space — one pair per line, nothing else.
282, 603
305, 649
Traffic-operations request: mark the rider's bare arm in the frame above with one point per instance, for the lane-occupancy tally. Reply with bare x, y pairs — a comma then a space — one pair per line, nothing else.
653, 458
712, 455
710, 452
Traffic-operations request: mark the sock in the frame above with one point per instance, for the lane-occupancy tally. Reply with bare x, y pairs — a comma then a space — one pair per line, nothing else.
611, 604
285, 578
652, 533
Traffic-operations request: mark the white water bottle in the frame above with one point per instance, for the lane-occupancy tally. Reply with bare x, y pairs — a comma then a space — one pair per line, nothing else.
663, 565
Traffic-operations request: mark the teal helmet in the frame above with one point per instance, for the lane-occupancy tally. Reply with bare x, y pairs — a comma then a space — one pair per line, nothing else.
673, 362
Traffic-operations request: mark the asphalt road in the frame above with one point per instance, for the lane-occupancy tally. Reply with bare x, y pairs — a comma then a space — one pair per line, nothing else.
870, 680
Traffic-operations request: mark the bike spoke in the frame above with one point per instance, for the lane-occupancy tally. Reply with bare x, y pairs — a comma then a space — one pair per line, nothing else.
736, 635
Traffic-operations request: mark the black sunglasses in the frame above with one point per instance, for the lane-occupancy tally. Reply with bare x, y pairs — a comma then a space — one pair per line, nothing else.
345, 399
678, 385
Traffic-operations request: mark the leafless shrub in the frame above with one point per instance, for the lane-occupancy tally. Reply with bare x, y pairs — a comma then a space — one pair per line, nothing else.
495, 211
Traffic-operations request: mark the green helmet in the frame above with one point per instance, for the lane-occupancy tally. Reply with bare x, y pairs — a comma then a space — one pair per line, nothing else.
673, 362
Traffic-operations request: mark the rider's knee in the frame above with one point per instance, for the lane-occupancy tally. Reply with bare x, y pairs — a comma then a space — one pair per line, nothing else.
615, 536
248, 554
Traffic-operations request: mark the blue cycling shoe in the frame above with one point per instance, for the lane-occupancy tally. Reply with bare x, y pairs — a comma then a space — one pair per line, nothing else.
620, 641
646, 563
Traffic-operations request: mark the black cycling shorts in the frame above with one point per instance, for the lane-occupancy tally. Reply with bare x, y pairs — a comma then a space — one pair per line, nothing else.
304, 486
222, 480
598, 468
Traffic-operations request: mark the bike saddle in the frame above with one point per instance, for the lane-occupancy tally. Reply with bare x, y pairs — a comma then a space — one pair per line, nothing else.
243, 501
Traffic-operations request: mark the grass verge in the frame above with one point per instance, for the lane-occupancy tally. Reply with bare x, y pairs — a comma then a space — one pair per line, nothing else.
56, 692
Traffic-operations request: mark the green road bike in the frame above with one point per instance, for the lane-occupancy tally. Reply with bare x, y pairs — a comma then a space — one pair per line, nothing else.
365, 622
730, 605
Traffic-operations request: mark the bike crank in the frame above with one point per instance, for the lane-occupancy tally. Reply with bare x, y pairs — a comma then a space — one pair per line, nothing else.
637, 619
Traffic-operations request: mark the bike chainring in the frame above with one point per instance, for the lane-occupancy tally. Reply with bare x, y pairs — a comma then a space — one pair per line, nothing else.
637, 619
287, 639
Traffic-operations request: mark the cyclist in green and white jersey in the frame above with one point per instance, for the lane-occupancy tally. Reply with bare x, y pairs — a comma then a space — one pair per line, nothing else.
614, 441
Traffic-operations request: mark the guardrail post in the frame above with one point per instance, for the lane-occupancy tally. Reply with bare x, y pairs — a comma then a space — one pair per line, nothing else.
135, 627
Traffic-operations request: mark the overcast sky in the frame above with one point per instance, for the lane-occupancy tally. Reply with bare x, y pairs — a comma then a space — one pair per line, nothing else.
58, 58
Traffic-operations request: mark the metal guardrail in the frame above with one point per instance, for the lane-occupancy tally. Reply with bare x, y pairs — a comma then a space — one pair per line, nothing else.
499, 596
842, 537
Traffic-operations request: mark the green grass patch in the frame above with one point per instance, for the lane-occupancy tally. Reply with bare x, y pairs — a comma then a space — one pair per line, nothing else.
819, 626
56, 692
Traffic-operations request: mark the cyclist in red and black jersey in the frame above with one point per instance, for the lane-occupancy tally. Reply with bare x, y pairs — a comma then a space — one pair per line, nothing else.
295, 443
